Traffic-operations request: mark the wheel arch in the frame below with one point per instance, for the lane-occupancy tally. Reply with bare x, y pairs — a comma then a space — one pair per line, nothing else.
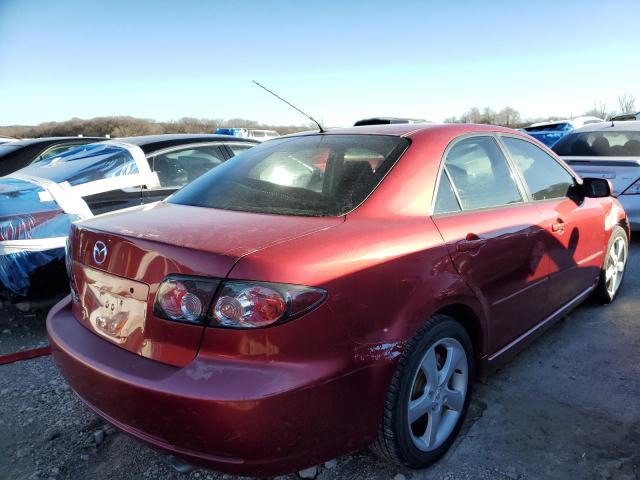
468, 318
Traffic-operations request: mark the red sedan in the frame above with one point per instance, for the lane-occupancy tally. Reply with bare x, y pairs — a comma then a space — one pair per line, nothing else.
323, 292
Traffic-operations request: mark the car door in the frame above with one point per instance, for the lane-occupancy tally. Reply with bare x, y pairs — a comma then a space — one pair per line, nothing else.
180, 165
574, 224
493, 235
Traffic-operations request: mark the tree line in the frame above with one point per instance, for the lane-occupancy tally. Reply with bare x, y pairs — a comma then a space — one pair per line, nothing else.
509, 117
126, 126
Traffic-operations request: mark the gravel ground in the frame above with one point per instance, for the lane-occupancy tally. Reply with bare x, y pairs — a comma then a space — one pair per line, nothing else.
567, 407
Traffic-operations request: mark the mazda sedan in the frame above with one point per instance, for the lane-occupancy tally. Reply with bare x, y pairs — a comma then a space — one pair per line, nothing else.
323, 292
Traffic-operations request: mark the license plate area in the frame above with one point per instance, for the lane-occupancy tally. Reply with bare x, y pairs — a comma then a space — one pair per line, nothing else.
112, 306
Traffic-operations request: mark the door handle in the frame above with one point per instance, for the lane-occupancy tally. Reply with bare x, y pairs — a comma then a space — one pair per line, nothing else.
470, 244
558, 227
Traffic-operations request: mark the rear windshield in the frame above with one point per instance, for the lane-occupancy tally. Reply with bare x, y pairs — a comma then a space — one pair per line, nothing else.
316, 175
614, 143
85, 163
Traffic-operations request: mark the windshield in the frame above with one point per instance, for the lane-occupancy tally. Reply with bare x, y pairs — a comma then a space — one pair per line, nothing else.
316, 175
614, 143
85, 163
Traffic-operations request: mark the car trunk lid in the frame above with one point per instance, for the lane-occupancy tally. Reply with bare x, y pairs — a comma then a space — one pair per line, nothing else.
622, 172
119, 261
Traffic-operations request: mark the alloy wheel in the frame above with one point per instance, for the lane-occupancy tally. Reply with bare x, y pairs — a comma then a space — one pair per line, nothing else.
438, 393
614, 270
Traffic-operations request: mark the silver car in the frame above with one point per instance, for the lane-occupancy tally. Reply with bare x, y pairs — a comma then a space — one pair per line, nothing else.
608, 150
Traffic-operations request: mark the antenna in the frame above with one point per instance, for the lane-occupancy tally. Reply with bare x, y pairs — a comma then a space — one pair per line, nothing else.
322, 130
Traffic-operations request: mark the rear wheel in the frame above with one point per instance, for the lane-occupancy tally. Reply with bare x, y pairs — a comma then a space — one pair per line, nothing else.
429, 395
615, 262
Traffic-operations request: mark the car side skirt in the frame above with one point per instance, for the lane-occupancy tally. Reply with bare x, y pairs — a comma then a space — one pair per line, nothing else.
509, 351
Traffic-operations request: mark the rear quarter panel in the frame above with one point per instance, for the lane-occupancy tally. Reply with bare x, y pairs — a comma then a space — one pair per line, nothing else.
384, 279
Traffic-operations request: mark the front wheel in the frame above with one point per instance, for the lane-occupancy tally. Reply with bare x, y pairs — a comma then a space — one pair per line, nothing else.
429, 395
615, 262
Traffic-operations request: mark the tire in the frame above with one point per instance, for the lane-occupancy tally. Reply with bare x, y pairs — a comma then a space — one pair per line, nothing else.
416, 445
613, 268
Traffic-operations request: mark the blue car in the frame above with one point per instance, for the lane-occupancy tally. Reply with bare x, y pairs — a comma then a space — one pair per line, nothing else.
550, 132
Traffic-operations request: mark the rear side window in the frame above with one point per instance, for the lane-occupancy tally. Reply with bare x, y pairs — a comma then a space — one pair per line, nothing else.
238, 148
545, 177
314, 175
480, 174
446, 201
55, 151
179, 167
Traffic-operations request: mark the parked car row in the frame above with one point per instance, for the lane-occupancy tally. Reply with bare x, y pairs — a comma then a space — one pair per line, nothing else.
67, 179
253, 133
318, 293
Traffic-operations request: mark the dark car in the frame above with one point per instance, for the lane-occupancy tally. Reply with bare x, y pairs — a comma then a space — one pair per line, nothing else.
40, 201
17, 154
625, 117
386, 121
322, 292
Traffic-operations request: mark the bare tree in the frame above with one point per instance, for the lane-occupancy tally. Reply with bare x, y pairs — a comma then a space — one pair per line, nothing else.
508, 117
599, 110
627, 103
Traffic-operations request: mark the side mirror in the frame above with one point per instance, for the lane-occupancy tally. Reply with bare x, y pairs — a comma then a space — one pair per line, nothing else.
597, 187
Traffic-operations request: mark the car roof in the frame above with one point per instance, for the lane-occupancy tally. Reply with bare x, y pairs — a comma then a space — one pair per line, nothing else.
44, 140
629, 125
149, 143
413, 129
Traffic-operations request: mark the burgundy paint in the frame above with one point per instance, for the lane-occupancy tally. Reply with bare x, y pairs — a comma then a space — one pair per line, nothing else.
268, 401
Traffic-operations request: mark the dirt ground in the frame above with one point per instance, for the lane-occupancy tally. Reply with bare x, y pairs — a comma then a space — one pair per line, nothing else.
566, 408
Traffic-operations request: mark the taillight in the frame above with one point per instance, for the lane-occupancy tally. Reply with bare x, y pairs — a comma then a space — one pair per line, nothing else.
239, 304
184, 299
243, 304
634, 189
68, 263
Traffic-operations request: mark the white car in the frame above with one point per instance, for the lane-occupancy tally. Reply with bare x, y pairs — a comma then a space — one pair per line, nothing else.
610, 151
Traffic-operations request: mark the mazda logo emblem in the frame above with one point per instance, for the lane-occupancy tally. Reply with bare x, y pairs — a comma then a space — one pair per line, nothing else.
99, 252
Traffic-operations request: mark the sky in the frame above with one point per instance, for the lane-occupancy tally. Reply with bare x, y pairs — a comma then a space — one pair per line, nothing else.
337, 60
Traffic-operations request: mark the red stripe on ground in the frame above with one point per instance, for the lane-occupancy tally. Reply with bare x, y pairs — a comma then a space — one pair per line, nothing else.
24, 355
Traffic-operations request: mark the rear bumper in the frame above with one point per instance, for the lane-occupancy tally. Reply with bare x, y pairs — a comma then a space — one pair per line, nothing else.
631, 204
236, 416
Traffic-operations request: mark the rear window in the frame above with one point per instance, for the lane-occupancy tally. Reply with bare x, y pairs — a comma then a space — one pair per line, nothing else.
317, 175
614, 143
